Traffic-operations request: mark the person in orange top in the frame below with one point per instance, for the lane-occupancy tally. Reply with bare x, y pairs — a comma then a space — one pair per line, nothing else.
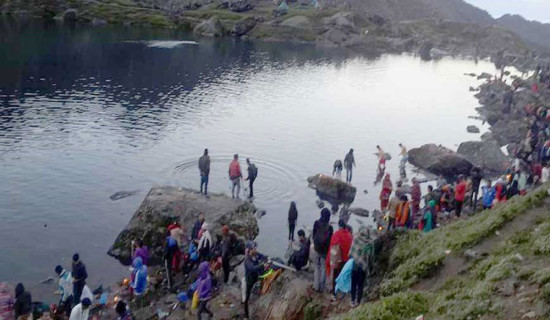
340, 244
402, 216
235, 176
460, 194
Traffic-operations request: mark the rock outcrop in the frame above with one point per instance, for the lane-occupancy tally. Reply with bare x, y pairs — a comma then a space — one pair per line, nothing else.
472, 129
299, 22
163, 205
70, 15
486, 154
333, 190
243, 26
439, 160
209, 28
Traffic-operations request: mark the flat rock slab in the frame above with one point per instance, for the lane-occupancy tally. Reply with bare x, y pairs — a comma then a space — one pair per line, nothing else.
439, 160
163, 205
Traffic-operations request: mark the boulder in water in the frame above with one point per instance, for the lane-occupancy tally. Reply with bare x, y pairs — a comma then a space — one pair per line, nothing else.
122, 194
472, 129
486, 154
243, 26
439, 160
70, 15
358, 212
484, 75
163, 205
209, 28
333, 189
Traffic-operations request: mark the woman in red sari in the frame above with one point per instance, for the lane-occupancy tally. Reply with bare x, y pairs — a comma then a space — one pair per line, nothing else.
387, 188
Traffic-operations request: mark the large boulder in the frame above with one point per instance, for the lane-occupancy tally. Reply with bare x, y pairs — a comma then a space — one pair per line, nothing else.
209, 28
164, 205
333, 190
243, 26
341, 20
439, 160
286, 299
508, 131
70, 15
238, 5
486, 154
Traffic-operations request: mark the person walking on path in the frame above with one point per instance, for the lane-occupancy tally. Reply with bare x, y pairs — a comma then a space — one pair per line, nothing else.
349, 163
460, 194
476, 176
22, 308
252, 175
204, 289
79, 277
322, 233
340, 243
292, 217
65, 289
362, 252
235, 176
204, 168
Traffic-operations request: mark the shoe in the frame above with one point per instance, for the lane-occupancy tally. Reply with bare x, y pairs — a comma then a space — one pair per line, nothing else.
353, 304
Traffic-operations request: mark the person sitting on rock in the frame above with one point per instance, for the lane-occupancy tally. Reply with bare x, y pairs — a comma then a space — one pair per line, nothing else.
81, 311
299, 258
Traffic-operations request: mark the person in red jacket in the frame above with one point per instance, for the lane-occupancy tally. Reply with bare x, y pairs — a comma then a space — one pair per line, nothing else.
460, 194
340, 244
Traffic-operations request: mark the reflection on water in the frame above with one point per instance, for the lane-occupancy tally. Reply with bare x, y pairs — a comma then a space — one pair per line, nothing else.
89, 112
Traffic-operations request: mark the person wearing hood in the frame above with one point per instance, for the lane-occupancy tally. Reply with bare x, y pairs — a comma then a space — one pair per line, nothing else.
139, 278
6, 301
205, 243
427, 218
204, 289
82, 310
322, 233
23, 303
488, 195
292, 217
66, 289
79, 277
387, 188
340, 244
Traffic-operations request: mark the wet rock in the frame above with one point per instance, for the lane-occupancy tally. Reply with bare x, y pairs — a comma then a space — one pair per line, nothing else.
300, 22
341, 20
470, 74
122, 194
484, 75
243, 26
358, 212
508, 288
70, 15
425, 51
486, 154
440, 161
239, 5
332, 189
472, 129
209, 28
286, 299
163, 205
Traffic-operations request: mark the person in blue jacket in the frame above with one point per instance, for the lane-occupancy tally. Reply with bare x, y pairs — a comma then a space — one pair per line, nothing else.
488, 195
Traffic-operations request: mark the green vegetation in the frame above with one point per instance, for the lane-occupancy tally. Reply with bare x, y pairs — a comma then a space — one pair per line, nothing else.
117, 14
404, 305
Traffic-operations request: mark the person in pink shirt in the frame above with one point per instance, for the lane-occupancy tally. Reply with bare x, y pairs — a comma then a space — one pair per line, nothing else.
235, 176
460, 193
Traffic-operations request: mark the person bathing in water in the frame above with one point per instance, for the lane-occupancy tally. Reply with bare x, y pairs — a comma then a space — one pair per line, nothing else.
204, 168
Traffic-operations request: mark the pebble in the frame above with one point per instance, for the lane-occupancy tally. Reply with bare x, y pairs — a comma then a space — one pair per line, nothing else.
529, 315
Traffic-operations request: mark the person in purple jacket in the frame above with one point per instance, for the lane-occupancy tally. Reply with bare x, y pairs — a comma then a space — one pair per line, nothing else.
141, 250
204, 287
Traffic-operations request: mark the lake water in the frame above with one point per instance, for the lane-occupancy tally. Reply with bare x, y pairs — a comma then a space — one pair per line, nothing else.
86, 112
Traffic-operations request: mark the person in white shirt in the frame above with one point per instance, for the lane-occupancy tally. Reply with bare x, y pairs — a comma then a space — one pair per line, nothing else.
65, 289
545, 173
81, 311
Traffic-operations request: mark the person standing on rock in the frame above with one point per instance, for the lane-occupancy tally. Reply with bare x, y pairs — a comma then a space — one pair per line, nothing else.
227, 252
204, 168
66, 290
197, 228
362, 252
252, 175
460, 194
340, 243
476, 176
235, 176
292, 217
322, 233
252, 268
349, 163
79, 277
404, 155
337, 170
387, 188
141, 250
416, 196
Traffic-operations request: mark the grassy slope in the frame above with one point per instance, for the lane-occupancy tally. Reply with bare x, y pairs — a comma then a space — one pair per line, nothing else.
417, 256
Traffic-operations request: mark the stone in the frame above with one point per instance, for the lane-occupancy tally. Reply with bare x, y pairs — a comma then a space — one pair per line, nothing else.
243, 26
341, 20
358, 212
472, 129
209, 28
240, 5
508, 131
440, 161
332, 190
163, 205
486, 154
70, 15
425, 51
508, 288
300, 22
484, 75
96, 22
529, 315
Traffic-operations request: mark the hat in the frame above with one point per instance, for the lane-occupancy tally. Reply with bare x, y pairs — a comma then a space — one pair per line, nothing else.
251, 245
58, 269
76, 257
86, 302
225, 229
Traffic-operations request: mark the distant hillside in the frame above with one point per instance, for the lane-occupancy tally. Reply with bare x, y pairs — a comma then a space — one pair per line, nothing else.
400, 10
534, 32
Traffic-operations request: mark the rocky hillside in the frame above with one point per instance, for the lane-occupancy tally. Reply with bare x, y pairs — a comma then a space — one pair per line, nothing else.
533, 32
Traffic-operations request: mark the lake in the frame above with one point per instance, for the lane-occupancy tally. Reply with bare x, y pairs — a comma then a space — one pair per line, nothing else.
86, 112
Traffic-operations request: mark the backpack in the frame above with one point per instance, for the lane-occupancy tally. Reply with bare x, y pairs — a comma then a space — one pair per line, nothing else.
253, 171
321, 238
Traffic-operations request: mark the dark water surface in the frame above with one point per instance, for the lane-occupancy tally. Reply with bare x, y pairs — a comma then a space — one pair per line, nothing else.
86, 112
